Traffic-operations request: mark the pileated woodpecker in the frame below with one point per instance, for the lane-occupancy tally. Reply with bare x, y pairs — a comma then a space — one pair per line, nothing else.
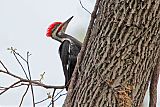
69, 48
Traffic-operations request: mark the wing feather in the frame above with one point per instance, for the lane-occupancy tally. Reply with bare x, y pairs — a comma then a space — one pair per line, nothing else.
64, 55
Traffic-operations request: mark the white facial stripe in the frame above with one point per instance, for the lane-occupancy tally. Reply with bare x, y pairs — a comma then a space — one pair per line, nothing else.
55, 30
56, 26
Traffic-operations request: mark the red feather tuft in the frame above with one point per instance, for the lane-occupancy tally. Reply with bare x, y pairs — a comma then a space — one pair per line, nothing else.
49, 30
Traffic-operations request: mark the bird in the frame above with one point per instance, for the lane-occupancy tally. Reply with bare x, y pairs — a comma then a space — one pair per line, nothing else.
68, 49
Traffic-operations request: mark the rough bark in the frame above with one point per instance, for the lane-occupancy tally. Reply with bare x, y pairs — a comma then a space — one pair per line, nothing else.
153, 86
119, 55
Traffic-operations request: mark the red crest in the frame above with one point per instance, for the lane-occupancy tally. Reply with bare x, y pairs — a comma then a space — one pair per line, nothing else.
49, 30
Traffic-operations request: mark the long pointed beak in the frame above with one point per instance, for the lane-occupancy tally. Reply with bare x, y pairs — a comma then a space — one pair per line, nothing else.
67, 21
65, 24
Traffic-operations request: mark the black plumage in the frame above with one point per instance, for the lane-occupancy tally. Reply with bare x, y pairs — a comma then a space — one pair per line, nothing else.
68, 51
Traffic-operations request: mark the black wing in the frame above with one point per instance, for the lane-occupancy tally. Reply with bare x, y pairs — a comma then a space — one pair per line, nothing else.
68, 54
64, 55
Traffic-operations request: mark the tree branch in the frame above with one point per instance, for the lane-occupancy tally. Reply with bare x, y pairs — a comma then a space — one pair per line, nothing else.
15, 53
10, 87
24, 96
53, 97
84, 7
32, 81
42, 100
30, 78
4, 66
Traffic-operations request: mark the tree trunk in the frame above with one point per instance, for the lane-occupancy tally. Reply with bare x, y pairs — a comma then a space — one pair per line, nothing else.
119, 55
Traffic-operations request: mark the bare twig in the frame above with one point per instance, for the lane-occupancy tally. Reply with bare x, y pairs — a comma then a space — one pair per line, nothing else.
10, 87
42, 100
35, 83
60, 96
53, 97
24, 96
15, 53
84, 7
41, 77
32, 81
14, 50
58, 93
30, 78
26, 81
4, 66
15, 86
20, 65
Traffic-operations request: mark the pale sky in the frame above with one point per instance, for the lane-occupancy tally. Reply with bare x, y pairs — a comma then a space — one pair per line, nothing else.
23, 24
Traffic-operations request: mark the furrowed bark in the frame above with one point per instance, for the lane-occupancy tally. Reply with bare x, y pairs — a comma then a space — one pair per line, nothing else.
121, 54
